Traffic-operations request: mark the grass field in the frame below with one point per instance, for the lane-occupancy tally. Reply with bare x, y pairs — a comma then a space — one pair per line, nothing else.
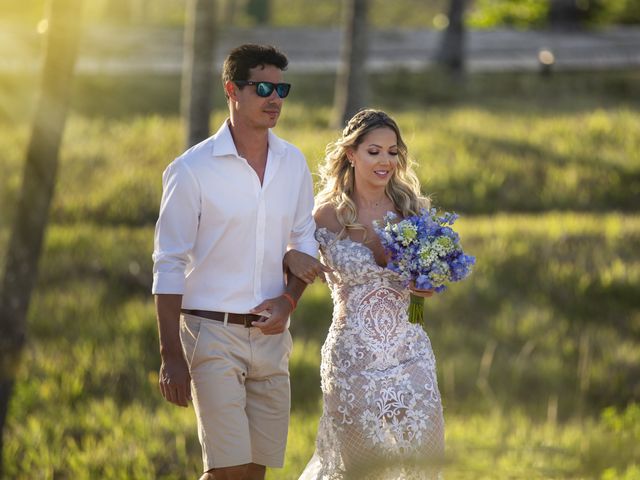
538, 352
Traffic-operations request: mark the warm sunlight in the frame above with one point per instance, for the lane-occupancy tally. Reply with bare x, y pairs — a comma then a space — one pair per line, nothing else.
175, 172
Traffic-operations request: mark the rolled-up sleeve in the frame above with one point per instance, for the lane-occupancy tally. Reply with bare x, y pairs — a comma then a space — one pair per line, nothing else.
303, 233
176, 229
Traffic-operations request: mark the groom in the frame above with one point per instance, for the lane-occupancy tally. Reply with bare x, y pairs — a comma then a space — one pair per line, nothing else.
231, 207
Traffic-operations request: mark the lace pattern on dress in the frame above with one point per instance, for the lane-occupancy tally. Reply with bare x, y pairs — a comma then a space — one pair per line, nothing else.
382, 412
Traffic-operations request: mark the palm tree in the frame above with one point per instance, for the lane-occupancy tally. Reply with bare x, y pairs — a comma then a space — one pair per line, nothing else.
39, 178
351, 81
197, 73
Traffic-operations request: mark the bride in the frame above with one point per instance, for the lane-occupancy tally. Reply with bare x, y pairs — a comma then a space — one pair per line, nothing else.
382, 412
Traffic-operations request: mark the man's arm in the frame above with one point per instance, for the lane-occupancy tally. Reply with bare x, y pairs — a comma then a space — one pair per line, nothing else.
301, 238
174, 373
304, 266
174, 237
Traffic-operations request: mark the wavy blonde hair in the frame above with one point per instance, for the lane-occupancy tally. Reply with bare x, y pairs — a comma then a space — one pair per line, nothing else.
337, 179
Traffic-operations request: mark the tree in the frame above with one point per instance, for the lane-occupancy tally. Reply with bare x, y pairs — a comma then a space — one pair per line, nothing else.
566, 14
228, 13
197, 72
119, 11
260, 11
140, 11
351, 82
39, 178
451, 55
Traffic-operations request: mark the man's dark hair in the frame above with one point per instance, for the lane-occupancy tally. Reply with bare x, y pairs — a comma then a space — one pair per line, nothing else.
245, 57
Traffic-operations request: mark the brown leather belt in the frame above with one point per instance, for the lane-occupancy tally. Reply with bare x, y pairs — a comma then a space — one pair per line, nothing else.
236, 318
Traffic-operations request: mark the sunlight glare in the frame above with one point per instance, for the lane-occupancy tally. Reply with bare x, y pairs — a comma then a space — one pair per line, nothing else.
43, 26
546, 57
440, 21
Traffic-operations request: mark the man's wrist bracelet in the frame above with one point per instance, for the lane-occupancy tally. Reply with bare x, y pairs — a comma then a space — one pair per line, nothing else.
291, 301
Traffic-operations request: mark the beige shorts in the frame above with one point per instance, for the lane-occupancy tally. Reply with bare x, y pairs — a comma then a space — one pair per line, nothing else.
240, 390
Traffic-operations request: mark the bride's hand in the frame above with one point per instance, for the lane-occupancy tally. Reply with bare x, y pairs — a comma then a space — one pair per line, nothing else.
304, 266
420, 293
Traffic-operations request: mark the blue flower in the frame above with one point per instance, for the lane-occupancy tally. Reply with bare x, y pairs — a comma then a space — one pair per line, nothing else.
425, 248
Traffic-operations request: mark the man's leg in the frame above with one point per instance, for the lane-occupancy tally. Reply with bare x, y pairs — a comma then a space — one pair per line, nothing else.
208, 476
255, 471
219, 397
238, 472
268, 400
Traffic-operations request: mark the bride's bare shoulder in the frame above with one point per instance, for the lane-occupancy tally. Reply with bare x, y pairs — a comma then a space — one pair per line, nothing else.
325, 217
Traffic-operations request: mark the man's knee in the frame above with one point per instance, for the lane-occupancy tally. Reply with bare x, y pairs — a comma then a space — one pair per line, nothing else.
238, 472
255, 471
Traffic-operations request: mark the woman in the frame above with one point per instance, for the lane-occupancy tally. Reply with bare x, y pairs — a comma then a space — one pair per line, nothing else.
382, 414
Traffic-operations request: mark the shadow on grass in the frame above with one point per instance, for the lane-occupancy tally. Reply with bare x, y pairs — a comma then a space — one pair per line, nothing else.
532, 185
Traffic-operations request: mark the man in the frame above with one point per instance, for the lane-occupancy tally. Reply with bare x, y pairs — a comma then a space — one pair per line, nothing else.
231, 207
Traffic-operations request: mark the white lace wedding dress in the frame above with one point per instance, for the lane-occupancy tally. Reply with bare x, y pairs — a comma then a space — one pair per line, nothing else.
382, 413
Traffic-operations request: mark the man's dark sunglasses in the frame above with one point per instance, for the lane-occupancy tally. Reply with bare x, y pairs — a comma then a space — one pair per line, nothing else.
265, 89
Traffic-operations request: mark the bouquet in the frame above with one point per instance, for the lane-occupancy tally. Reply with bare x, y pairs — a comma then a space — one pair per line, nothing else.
426, 249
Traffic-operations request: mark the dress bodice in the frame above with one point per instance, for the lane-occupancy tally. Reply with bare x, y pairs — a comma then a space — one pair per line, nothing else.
356, 277
353, 262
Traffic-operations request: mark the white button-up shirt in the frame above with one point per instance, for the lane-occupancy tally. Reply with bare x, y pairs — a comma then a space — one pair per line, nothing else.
221, 235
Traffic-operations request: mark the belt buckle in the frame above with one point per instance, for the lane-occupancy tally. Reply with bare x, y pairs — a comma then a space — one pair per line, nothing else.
247, 320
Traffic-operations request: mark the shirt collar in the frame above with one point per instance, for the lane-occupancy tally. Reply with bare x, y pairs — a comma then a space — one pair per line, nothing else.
223, 142
276, 145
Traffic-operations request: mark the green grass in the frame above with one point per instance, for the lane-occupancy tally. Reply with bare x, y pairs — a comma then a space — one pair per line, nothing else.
87, 404
538, 352
483, 153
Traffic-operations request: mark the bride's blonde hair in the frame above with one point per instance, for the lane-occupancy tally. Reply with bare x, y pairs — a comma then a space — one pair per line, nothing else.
337, 176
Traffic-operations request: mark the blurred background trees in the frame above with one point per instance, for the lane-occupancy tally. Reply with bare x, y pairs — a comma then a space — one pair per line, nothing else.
383, 14
31, 218
198, 69
451, 52
351, 80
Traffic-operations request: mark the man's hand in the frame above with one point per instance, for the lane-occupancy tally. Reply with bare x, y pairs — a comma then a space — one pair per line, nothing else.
304, 266
175, 381
174, 373
279, 309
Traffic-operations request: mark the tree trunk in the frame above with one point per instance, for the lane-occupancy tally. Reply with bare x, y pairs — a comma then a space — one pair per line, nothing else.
228, 14
565, 14
119, 11
140, 12
260, 11
39, 178
351, 82
451, 55
197, 72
